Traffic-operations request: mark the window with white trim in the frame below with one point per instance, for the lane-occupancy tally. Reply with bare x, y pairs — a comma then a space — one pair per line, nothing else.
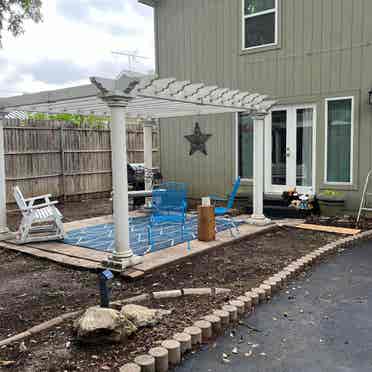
259, 23
339, 139
245, 146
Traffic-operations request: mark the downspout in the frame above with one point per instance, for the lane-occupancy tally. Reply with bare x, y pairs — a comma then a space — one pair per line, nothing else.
156, 40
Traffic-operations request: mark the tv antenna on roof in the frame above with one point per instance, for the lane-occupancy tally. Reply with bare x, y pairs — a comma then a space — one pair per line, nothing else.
132, 57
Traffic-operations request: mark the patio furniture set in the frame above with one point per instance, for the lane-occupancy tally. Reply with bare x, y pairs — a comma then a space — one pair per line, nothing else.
168, 221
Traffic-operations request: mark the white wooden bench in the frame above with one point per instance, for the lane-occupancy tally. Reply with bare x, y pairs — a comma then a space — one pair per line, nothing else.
41, 221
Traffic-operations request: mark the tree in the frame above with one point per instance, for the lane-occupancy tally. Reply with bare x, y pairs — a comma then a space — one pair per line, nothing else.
91, 121
13, 13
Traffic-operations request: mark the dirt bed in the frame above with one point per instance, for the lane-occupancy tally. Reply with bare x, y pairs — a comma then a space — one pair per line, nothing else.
33, 291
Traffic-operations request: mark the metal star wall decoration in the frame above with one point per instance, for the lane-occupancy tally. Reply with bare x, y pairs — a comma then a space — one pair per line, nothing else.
198, 140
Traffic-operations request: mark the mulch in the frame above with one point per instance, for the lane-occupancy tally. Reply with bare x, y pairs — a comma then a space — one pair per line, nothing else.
33, 291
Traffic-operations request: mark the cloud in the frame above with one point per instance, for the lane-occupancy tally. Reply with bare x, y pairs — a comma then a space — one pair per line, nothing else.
81, 10
76, 41
116, 14
3, 63
54, 71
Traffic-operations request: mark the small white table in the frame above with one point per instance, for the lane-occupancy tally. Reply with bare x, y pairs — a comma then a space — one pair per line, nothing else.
139, 193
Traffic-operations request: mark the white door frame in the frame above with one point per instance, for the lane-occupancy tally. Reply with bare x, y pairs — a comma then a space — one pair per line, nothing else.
291, 142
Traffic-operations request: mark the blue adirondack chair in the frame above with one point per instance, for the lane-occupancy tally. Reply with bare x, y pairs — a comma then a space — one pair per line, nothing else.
169, 205
226, 211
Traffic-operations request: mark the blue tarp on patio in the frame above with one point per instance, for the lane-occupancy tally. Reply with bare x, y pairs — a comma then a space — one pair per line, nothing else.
102, 237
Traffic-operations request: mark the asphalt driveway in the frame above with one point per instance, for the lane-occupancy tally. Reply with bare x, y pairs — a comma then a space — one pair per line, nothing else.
322, 323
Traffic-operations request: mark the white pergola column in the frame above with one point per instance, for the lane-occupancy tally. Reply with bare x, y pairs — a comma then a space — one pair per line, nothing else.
3, 222
147, 146
122, 256
258, 217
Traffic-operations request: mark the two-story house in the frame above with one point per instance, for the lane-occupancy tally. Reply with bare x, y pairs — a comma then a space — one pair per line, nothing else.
313, 56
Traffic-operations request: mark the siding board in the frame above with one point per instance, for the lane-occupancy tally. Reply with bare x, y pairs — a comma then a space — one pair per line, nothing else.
346, 54
326, 46
307, 45
357, 40
316, 60
336, 42
288, 50
298, 32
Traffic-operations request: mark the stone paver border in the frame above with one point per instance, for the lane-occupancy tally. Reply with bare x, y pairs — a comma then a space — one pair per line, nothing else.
202, 329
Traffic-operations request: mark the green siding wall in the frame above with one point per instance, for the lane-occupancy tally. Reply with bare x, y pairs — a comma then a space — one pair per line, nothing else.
325, 51
204, 174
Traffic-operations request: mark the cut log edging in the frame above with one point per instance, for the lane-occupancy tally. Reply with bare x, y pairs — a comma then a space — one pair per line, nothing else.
39, 328
211, 325
174, 293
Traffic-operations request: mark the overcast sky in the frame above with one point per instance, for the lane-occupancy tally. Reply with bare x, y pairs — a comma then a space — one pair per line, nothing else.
76, 41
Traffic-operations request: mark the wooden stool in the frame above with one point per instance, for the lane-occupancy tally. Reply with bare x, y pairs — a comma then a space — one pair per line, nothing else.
206, 224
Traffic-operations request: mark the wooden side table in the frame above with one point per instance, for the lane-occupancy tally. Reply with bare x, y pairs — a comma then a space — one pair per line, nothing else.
206, 224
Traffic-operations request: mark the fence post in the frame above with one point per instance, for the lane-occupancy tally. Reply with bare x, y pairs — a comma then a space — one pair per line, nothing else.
3, 222
62, 142
147, 148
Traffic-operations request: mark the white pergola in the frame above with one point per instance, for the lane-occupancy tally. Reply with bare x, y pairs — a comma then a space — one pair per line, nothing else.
149, 98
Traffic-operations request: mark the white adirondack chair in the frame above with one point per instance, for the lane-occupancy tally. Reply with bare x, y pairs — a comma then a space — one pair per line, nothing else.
40, 222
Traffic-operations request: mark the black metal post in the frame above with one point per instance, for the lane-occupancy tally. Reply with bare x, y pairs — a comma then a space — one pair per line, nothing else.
104, 289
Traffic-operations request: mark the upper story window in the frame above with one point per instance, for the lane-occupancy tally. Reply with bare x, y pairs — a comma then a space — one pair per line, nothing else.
259, 23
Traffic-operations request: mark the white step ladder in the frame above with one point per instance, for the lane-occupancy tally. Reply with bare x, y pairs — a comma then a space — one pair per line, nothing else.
364, 202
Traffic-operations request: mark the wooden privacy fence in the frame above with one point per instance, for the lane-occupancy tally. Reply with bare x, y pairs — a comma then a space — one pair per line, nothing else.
53, 157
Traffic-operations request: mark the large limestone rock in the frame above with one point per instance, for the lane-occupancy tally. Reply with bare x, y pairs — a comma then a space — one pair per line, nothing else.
98, 325
142, 316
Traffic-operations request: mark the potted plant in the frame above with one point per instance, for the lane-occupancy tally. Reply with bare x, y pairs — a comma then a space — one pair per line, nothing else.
331, 202
306, 204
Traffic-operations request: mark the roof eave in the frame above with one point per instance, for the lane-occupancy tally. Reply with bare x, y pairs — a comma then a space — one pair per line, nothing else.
149, 2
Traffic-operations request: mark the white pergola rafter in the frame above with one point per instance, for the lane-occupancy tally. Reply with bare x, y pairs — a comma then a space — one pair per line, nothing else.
148, 98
